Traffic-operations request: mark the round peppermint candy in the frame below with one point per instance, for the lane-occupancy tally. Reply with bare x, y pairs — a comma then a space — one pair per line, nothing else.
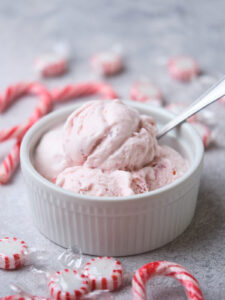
12, 253
52, 64
146, 91
107, 63
104, 273
68, 285
183, 68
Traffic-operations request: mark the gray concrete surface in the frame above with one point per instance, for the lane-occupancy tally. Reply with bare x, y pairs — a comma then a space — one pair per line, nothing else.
149, 32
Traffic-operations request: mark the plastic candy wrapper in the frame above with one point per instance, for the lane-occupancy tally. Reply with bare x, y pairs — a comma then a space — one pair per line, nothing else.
99, 295
14, 254
107, 63
21, 294
54, 63
71, 258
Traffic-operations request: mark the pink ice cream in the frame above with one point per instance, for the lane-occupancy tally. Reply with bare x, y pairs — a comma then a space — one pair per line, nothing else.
107, 149
109, 136
49, 157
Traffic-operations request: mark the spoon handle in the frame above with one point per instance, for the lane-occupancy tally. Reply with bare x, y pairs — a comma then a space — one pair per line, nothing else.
211, 95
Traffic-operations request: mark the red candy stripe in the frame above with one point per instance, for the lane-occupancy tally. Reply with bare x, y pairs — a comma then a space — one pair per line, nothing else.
164, 268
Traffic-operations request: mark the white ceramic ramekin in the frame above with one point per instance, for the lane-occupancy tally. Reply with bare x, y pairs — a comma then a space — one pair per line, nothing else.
114, 226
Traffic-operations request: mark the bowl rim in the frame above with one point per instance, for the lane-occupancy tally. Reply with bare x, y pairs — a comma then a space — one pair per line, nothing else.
26, 162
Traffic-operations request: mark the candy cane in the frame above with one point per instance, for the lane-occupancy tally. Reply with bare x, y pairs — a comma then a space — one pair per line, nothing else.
11, 93
164, 268
41, 109
11, 161
71, 91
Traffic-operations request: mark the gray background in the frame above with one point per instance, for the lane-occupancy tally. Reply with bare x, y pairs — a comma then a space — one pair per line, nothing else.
149, 32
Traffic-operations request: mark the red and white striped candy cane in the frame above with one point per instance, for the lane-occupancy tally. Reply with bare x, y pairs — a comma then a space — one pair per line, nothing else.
10, 163
43, 107
164, 268
72, 91
12, 93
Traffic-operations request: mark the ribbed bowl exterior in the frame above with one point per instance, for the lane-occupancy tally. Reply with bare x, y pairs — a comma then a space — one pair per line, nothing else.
112, 227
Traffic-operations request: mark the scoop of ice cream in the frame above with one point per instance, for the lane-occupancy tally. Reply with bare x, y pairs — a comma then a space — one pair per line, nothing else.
96, 182
49, 158
165, 169
109, 135
168, 167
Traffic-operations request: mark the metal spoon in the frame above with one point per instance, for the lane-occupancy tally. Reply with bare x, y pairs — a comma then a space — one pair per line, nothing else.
211, 95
